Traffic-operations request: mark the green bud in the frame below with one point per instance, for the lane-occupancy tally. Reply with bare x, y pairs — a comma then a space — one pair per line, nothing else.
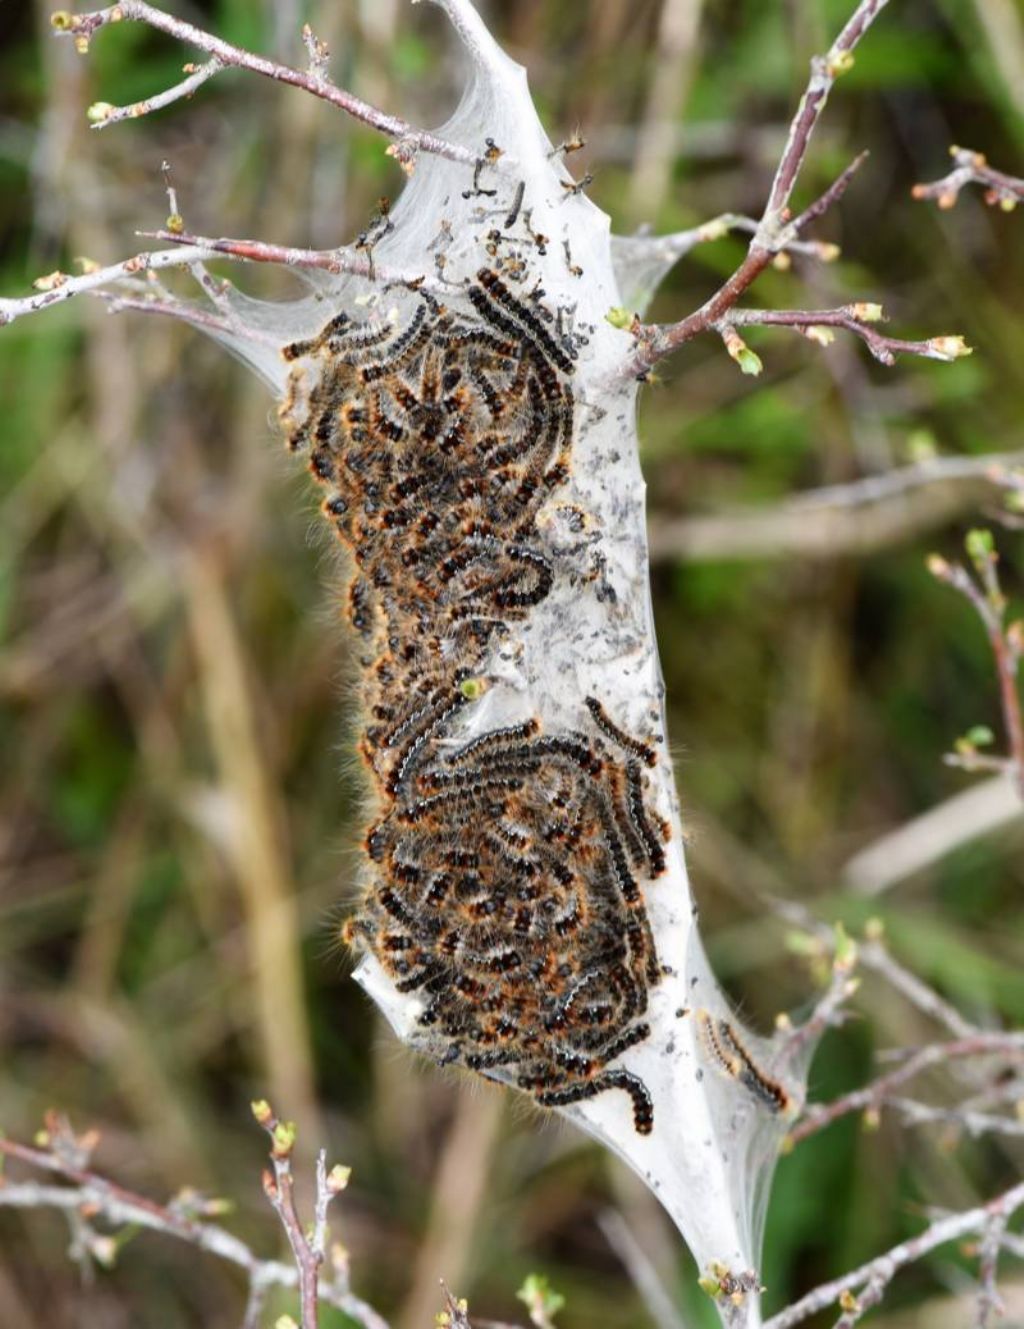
839, 62
284, 1134
980, 546
540, 1299
619, 317
846, 949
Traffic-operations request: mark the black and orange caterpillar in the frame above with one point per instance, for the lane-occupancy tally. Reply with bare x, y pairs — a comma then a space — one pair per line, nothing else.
505, 868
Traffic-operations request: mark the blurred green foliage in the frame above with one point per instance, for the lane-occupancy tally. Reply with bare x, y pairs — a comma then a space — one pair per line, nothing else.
810, 698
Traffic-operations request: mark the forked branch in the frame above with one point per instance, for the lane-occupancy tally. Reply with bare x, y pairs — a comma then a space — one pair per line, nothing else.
777, 231
972, 168
859, 1290
57, 287
985, 594
224, 55
86, 1197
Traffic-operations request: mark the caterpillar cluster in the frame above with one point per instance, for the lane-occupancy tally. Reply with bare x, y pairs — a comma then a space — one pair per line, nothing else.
505, 867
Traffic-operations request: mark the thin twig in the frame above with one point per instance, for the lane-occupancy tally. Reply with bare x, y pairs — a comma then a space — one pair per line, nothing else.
323, 260
776, 228
856, 318
986, 597
279, 1188
827, 1010
59, 286
102, 113
676, 245
82, 28
455, 1309
881, 1270
974, 1123
185, 312
971, 168
872, 1096
857, 1307
95, 1196
989, 1301
875, 956
870, 953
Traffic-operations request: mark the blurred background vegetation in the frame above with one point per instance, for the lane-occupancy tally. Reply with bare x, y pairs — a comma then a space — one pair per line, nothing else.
179, 804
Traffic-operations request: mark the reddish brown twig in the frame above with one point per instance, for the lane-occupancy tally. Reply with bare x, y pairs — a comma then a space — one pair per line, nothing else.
654, 342
776, 228
190, 251
972, 168
777, 231
323, 260
828, 1009
455, 1310
1007, 643
856, 318
82, 27
308, 1251
873, 1096
90, 1197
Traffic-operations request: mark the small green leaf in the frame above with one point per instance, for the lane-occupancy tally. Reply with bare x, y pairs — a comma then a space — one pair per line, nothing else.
619, 317
541, 1300
980, 546
283, 1135
749, 361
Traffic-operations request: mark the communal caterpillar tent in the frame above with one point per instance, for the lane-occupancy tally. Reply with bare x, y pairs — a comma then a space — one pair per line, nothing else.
463, 387
526, 911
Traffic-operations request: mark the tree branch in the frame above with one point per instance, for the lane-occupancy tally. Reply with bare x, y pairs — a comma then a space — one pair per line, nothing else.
776, 229
971, 168
1007, 642
874, 1095
677, 244
91, 1196
59, 286
816, 323
879, 1272
323, 260
315, 80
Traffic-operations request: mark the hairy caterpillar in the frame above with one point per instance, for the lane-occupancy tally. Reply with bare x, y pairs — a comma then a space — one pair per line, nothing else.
723, 1046
506, 867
